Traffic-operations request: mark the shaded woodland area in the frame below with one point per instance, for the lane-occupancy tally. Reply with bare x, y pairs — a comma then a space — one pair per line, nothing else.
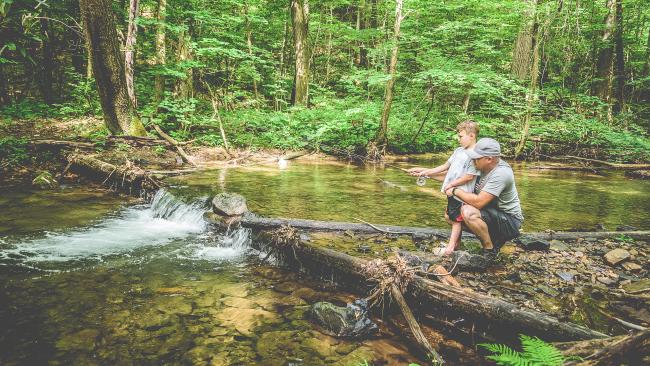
368, 76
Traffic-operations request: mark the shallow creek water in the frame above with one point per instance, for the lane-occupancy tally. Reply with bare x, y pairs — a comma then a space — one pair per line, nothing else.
86, 278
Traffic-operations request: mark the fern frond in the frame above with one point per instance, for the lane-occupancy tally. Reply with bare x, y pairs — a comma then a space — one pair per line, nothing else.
539, 352
504, 355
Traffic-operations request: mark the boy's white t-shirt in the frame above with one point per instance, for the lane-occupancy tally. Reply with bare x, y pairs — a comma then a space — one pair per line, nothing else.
460, 164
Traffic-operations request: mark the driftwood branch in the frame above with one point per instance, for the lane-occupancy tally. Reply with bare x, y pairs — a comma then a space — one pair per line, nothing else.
173, 142
421, 340
605, 163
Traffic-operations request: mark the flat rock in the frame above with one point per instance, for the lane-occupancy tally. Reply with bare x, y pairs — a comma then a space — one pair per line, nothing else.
631, 266
638, 286
470, 262
616, 256
558, 246
529, 243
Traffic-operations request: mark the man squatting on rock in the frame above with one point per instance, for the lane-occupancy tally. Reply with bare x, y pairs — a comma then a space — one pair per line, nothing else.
459, 172
492, 211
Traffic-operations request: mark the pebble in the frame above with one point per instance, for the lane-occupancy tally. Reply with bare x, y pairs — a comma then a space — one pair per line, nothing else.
631, 266
616, 256
606, 280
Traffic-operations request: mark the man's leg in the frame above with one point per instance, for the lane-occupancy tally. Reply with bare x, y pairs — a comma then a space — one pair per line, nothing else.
473, 221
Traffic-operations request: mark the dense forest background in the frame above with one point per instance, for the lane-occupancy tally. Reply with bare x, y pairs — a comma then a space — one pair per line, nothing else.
545, 77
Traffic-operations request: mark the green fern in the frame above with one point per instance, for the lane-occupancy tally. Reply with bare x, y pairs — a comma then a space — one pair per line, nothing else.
536, 352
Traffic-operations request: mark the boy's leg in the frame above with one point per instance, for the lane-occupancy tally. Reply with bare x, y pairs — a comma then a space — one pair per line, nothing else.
454, 237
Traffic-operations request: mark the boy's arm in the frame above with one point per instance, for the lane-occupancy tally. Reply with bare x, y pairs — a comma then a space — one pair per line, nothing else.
460, 181
437, 170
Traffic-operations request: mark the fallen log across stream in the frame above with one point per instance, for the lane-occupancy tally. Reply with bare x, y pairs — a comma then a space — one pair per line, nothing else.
262, 223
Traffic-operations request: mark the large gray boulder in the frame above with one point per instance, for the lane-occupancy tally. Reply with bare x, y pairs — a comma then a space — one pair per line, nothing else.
351, 321
229, 204
466, 261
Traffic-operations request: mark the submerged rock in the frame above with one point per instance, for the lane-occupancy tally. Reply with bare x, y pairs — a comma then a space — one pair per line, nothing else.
229, 204
350, 321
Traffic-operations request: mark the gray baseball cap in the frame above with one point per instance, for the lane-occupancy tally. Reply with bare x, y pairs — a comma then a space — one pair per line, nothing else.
485, 147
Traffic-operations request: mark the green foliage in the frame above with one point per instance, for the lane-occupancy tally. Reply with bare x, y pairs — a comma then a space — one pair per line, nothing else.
535, 352
13, 151
26, 109
625, 239
82, 100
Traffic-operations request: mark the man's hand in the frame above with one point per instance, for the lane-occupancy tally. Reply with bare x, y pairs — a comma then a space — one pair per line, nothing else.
448, 191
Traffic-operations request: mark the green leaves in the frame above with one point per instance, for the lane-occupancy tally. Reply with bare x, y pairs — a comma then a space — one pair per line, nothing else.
536, 352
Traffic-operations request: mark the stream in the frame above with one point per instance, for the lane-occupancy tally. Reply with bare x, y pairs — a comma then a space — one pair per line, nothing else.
89, 278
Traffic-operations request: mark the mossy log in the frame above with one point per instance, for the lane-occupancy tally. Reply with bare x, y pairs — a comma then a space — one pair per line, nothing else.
262, 223
481, 313
126, 178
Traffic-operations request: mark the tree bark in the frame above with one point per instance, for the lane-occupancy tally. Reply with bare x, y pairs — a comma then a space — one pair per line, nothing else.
47, 64
263, 223
619, 65
108, 67
381, 139
249, 44
185, 86
481, 313
159, 80
300, 21
362, 24
603, 85
129, 52
522, 52
127, 178
531, 96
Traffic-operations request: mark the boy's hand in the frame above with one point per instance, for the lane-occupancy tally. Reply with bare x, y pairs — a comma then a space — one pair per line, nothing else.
416, 171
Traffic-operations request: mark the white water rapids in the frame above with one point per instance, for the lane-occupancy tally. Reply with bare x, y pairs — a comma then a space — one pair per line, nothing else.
166, 219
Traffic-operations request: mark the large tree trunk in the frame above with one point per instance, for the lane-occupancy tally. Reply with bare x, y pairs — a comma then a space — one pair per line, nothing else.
108, 67
300, 20
129, 57
619, 65
249, 44
531, 96
185, 86
382, 136
522, 52
47, 62
603, 85
481, 313
362, 24
644, 93
159, 87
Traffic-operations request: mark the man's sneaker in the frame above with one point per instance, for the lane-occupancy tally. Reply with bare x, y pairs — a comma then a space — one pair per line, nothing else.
489, 254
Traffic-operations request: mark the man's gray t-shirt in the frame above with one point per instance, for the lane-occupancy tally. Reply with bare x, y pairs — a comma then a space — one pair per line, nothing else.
460, 165
500, 182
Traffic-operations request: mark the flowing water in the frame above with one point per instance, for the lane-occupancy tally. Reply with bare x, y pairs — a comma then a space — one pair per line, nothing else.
88, 278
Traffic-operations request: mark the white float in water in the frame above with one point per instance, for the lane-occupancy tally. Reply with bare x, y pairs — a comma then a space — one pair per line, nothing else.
282, 163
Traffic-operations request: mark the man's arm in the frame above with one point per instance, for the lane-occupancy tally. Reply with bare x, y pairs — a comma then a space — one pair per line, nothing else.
477, 200
460, 181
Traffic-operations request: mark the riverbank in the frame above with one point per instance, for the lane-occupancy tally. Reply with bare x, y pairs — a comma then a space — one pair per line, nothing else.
32, 146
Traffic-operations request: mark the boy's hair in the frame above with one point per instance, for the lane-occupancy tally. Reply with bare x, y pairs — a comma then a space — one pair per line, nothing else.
468, 126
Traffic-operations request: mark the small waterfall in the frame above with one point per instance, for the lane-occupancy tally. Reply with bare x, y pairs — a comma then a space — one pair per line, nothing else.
162, 221
220, 246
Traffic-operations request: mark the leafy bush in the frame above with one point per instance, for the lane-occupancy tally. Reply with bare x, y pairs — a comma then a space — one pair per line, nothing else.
13, 151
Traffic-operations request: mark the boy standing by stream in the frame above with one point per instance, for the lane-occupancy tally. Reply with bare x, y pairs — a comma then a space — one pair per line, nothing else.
461, 173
